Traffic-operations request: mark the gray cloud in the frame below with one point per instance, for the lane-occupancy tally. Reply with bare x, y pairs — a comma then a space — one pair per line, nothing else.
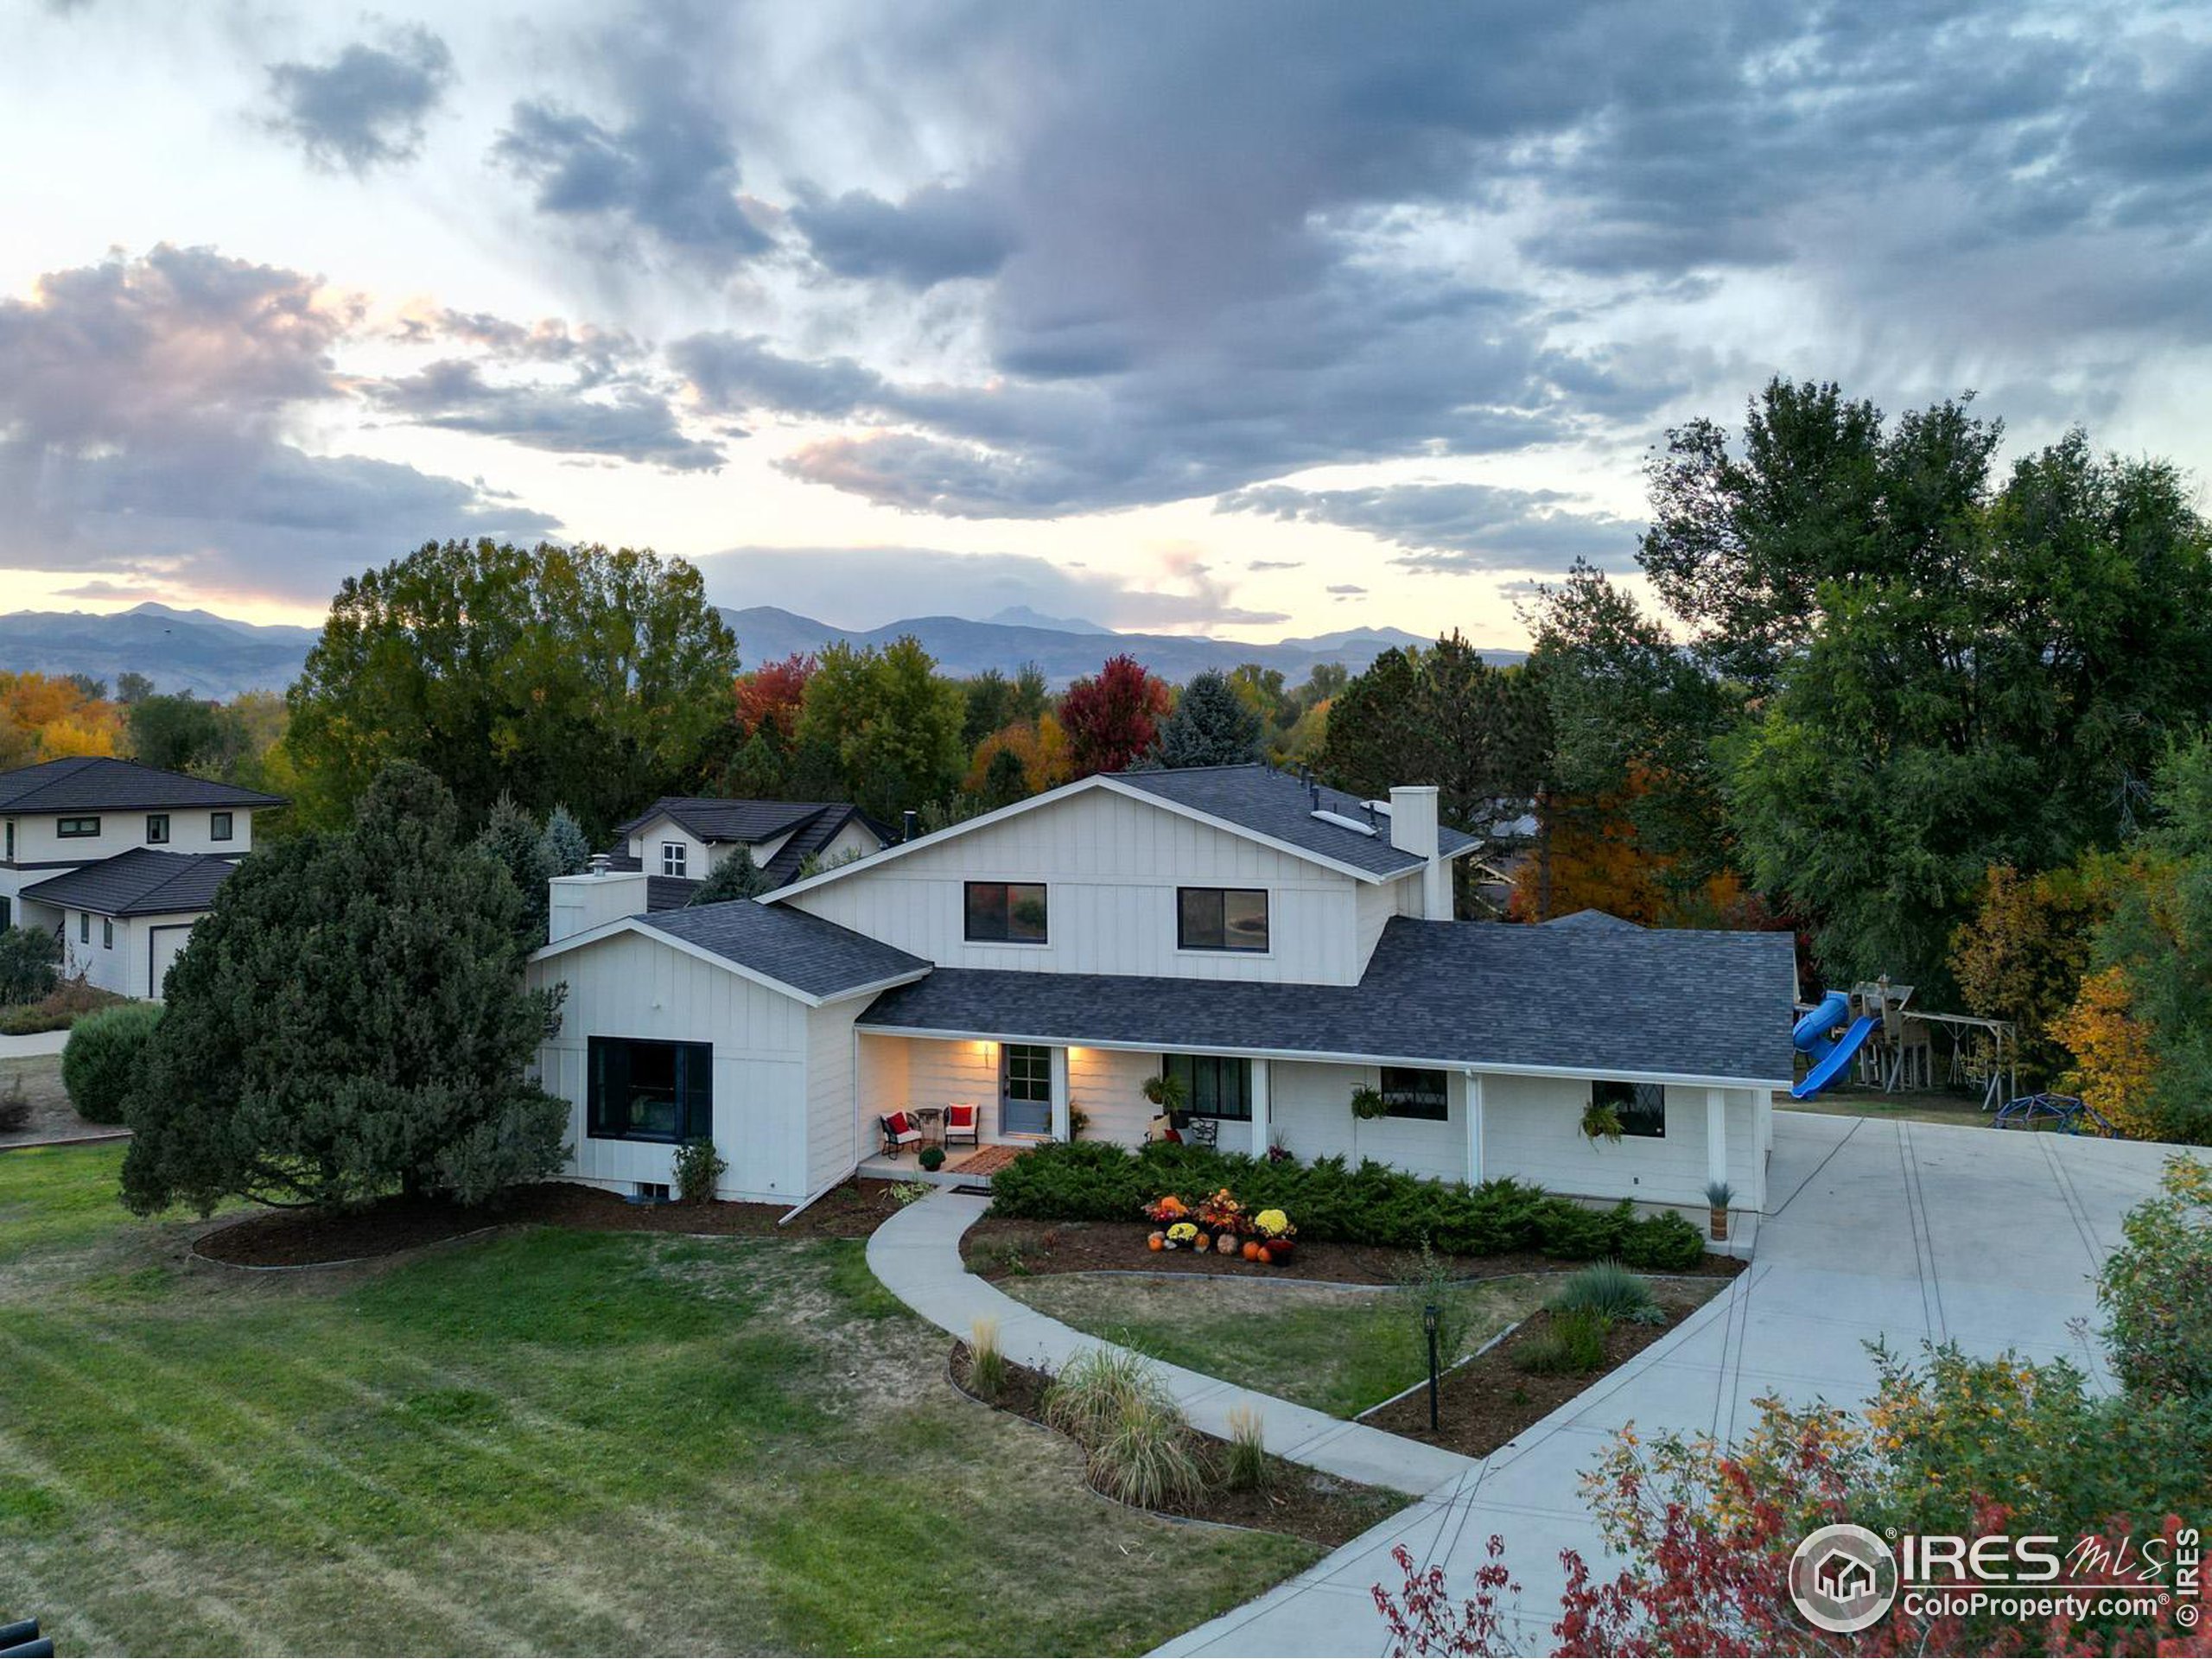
146, 417
1455, 527
629, 422
366, 107
1345, 589
1274, 564
937, 234
867, 587
735, 374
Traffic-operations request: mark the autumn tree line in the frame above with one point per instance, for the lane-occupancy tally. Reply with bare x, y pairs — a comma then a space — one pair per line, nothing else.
1943, 717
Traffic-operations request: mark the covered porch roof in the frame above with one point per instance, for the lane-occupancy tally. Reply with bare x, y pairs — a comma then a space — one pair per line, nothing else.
1643, 1004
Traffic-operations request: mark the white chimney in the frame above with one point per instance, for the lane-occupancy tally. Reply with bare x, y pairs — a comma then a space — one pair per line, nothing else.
1413, 829
579, 903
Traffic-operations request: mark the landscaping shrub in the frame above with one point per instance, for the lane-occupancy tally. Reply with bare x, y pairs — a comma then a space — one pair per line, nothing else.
1248, 1449
932, 1157
1145, 1457
28, 959
1609, 1289
1333, 1202
699, 1169
1426, 1282
102, 1059
1573, 1345
1097, 1388
2157, 1289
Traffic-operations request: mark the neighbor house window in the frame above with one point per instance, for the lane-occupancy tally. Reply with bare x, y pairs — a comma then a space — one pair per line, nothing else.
675, 858
1215, 1086
11, 841
219, 826
107, 933
76, 829
1221, 919
1409, 1093
1005, 912
158, 827
641, 1091
84, 927
1641, 1107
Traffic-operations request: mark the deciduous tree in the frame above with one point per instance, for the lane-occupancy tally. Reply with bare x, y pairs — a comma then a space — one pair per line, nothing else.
1113, 717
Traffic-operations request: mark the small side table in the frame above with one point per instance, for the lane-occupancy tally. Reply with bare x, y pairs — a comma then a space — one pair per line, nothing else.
931, 1122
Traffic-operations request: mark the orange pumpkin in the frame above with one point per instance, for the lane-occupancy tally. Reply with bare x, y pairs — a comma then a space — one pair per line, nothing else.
1202, 1242
1264, 1257
1157, 1242
1251, 1251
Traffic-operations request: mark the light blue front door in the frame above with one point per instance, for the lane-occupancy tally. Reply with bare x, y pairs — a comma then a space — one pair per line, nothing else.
1025, 1089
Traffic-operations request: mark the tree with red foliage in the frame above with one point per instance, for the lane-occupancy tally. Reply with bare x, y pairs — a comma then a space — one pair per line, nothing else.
771, 693
1112, 717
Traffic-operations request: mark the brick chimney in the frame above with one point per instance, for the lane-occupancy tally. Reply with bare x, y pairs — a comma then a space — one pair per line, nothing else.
1413, 829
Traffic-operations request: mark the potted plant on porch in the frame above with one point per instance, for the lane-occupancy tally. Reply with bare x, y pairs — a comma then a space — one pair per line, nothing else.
1719, 1195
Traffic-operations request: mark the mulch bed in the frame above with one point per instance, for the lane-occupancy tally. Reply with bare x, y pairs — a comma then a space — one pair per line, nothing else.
1001, 1247
1490, 1400
293, 1238
1290, 1498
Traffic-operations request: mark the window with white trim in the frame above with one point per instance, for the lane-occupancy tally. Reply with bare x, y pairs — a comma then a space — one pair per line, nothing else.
675, 858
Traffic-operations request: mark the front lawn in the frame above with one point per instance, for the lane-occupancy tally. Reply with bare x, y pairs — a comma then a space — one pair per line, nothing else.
1338, 1350
548, 1439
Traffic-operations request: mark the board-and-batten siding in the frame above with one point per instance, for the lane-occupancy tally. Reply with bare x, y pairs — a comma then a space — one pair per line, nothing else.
832, 1144
628, 985
1532, 1130
1110, 866
1310, 1109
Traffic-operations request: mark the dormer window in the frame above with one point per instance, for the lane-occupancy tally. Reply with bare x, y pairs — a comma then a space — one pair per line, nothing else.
675, 858
1005, 912
157, 828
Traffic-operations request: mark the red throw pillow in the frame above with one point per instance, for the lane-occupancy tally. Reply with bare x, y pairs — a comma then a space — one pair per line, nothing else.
959, 1117
896, 1122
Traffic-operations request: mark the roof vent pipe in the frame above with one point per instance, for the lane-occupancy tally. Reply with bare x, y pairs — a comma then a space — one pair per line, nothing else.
601, 864
909, 822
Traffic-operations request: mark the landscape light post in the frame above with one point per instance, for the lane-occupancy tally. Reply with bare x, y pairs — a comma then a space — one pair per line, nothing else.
1428, 1325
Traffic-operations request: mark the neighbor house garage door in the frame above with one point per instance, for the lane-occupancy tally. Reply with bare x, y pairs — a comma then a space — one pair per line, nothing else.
167, 943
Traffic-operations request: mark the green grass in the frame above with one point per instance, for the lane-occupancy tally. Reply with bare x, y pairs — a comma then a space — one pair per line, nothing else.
545, 1441
1339, 1352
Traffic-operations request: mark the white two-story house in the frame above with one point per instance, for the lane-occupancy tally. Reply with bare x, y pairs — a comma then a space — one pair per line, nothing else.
1273, 944
118, 860
680, 839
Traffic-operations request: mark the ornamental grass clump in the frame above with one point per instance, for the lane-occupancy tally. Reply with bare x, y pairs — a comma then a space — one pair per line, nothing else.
986, 1358
1611, 1290
1573, 1345
1137, 1446
1247, 1466
1097, 1387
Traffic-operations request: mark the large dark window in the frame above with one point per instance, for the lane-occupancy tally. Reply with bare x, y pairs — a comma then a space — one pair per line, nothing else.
158, 827
1005, 912
219, 826
1641, 1107
642, 1090
76, 829
1422, 1094
1217, 1086
1221, 919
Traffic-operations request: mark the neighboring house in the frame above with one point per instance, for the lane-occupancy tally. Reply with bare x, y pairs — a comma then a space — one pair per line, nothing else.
119, 861
1273, 945
679, 838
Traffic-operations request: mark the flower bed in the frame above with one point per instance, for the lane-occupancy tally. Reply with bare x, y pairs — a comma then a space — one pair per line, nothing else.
1333, 1202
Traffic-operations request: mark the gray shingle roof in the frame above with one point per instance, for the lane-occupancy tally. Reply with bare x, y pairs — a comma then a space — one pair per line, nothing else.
144, 882
1592, 917
1276, 805
789, 946
99, 783
810, 838
716, 820
1601, 1000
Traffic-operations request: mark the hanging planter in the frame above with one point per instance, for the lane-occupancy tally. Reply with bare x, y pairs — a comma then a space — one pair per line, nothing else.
1601, 1123
1367, 1104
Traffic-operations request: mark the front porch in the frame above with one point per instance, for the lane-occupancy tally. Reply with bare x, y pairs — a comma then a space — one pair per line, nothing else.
963, 1166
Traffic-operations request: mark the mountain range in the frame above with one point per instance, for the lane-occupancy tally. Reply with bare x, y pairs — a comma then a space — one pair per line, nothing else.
213, 656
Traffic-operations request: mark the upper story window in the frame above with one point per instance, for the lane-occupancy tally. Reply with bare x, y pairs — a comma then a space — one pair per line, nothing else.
77, 829
1005, 912
1221, 919
1415, 1093
675, 858
219, 826
84, 927
158, 827
1641, 1107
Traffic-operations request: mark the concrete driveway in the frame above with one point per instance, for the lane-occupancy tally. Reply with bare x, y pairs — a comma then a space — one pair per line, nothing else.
1902, 1231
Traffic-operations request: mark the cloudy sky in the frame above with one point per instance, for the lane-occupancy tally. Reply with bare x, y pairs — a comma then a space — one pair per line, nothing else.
1253, 319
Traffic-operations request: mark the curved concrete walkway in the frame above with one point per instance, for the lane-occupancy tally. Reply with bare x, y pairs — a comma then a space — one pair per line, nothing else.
916, 1256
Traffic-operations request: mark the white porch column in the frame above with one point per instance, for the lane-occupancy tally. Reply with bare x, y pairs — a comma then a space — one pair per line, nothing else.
1716, 1135
1474, 1082
1060, 1095
1261, 1121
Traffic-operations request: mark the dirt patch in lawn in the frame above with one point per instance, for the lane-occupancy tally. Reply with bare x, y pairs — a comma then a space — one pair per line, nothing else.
52, 1118
1489, 1400
999, 1247
298, 1238
1290, 1497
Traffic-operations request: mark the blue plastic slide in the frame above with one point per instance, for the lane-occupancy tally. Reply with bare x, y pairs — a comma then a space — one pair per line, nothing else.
1811, 1036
